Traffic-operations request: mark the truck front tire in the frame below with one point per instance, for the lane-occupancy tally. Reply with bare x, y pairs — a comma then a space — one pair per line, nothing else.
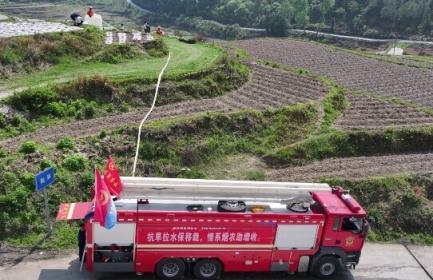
326, 268
170, 269
209, 269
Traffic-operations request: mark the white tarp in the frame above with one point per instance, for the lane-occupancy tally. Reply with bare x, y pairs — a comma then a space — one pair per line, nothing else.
95, 20
396, 51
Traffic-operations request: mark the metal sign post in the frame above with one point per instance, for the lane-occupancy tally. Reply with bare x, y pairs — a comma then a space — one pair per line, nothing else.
47, 210
42, 180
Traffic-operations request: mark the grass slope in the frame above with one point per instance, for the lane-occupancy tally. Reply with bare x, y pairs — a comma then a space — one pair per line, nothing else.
186, 58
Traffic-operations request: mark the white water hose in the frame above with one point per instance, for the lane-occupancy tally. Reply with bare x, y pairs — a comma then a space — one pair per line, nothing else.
148, 113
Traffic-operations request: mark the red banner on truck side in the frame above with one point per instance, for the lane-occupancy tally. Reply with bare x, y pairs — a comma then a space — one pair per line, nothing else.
73, 211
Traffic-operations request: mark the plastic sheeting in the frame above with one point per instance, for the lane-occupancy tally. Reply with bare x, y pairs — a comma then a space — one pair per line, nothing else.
95, 20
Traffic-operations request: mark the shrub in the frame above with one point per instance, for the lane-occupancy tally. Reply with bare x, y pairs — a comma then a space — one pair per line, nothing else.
65, 143
97, 88
34, 101
156, 48
28, 147
58, 109
3, 121
117, 53
257, 175
3, 153
188, 40
45, 163
102, 134
74, 163
89, 110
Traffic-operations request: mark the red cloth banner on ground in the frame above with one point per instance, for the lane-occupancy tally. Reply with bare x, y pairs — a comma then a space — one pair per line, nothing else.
112, 178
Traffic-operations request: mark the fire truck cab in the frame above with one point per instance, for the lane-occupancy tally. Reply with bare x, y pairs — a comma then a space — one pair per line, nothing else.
173, 226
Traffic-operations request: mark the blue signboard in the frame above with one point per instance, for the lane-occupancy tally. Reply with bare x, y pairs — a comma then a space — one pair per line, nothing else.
44, 178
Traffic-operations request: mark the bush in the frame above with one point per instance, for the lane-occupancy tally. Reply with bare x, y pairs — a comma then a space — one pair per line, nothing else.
34, 101
65, 143
188, 40
257, 175
96, 88
58, 109
28, 147
46, 163
3, 121
117, 53
156, 48
89, 110
74, 163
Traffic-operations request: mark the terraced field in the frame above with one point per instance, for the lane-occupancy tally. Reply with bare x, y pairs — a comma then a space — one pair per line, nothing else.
351, 71
268, 88
357, 167
367, 113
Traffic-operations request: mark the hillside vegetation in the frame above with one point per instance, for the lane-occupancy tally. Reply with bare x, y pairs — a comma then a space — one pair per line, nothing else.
29, 53
367, 17
186, 58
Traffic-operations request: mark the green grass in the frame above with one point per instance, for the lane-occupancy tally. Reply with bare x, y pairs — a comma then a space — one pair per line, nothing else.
98, 96
352, 144
185, 59
399, 206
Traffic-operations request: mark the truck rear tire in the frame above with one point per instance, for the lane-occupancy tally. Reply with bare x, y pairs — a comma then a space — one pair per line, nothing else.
209, 269
326, 268
170, 269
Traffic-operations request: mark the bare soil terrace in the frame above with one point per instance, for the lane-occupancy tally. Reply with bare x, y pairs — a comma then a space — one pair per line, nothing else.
351, 71
356, 167
268, 88
368, 113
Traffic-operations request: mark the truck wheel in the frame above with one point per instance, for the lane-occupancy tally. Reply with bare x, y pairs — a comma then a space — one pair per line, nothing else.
208, 269
327, 267
170, 269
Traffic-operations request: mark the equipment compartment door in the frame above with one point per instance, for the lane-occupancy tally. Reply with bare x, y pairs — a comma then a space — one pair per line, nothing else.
296, 237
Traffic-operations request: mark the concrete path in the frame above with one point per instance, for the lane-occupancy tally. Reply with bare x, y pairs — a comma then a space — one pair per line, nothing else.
379, 262
331, 35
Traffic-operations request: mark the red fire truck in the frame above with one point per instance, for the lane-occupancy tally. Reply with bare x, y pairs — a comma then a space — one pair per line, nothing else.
171, 226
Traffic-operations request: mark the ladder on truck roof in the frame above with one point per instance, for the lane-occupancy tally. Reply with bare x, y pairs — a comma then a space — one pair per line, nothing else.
197, 189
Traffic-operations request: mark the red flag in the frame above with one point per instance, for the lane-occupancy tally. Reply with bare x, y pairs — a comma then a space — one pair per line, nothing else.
102, 199
112, 178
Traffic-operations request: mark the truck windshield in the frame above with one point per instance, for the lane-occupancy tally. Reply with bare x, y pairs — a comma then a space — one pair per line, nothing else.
352, 224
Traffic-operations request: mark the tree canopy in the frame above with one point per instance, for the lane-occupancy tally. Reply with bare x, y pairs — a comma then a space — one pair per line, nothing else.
358, 17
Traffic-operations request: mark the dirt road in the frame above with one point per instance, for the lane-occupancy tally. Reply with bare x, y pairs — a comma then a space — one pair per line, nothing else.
378, 262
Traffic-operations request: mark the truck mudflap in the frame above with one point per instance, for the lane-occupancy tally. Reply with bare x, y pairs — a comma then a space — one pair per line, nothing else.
345, 259
352, 259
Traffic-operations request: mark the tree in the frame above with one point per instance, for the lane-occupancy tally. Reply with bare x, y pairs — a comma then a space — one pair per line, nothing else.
277, 18
301, 10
